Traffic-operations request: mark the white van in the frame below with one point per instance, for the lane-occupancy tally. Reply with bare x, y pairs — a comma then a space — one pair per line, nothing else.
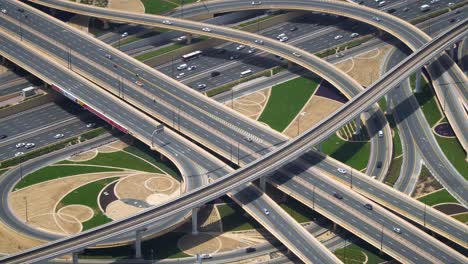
380, 133
182, 66
424, 8
245, 73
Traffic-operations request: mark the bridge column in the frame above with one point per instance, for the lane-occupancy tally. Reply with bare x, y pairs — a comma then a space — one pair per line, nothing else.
388, 99
334, 228
263, 183
319, 147
358, 125
106, 24
189, 38
195, 221
290, 64
453, 53
418, 82
75, 257
139, 234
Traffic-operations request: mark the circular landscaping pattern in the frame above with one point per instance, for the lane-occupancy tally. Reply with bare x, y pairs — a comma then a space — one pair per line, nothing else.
445, 130
451, 208
159, 184
80, 212
199, 244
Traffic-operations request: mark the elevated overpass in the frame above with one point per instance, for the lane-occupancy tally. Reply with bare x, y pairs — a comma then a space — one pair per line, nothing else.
278, 157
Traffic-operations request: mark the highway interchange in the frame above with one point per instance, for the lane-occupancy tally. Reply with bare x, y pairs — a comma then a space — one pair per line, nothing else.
239, 137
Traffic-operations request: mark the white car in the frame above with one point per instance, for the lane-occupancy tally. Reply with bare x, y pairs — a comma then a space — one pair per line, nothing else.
240, 47
338, 37
206, 29
353, 35
376, 18
20, 145
4, 11
434, 1
182, 67
380, 133
17, 154
91, 125
339, 55
57, 136
124, 34
180, 75
201, 86
256, 2
397, 230
259, 41
382, 3
281, 35
266, 211
181, 38
450, 4
248, 138
206, 256
167, 22
341, 170
297, 54
251, 50
139, 83
30, 145
191, 68
284, 39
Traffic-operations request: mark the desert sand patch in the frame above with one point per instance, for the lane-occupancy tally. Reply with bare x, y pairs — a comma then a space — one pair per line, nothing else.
80, 212
366, 68
135, 6
252, 104
85, 156
113, 147
118, 209
316, 109
11, 241
42, 199
141, 186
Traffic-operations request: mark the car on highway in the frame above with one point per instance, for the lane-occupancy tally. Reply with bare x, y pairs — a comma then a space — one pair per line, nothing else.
206, 256
376, 19
191, 68
30, 145
453, 20
108, 56
19, 153
396, 230
167, 22
381, 3
20, 145
380, 133
406, 9
181, 38
206, 29
338, 196
201, 86
233, 57
57, 136
124, 34
339, 55
215, 73
240, 47
259, 41
90, 125
379, 164
353, 35
284, 39
3, 136
391, 10
368, 206
338, 37
182, 67
4, 11
450, 4
256, 2
266, 211
250, 250
248, 138
252, 50
281, 35
293, 28
138, 83
297, 54
341, 170
180, 75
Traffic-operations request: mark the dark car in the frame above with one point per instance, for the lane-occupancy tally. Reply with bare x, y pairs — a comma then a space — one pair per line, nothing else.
379, 164
3, 136
338, 196
293, 28
391, 11
368, 206
250, 250
215, 73
220, 51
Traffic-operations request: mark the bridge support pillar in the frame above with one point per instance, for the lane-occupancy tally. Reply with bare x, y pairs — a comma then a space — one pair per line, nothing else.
334, 228
106, 24
189, 38
75, 257
319, 147
263, 184
388, 99
418, 82
195, 221
290, 64
453, 50
358, 125
139, 234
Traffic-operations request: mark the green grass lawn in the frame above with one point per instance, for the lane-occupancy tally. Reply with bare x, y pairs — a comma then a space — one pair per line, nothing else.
161, 247
3, 171
55, 172
154, 53
234, 218
301, 213
454, 153
87, 195
119, 159
355, 154
397, 147
427, 101
441, 196
354, 253
143, 151
394, 171
286, 100
157, 6
461, 217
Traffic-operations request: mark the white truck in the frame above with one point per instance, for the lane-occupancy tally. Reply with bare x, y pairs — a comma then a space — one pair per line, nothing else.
424, 8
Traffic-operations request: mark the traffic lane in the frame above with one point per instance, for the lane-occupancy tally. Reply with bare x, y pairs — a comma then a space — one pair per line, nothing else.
35, 118
14, 87
390, 198
353, 204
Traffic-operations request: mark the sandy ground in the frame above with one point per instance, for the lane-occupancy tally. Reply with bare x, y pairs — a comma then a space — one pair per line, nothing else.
12, 241
141, 186
118, 209
113, 147
212, 222
428, 185
80, 22
207, 243
3, 69
79, 212
251, 105
365, 68
42, 199
318, 108
127, 5
88, 155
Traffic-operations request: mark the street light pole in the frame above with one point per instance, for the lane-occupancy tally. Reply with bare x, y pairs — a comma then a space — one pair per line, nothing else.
351, 179
313, 197
381, 239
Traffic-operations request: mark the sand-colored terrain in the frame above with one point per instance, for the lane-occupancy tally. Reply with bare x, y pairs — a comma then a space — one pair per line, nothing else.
12, 241
113, 147
143, 185
251, 105
365, 68
316, 109
78, 212
118, 209
88, 155
41, 201
135, 6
